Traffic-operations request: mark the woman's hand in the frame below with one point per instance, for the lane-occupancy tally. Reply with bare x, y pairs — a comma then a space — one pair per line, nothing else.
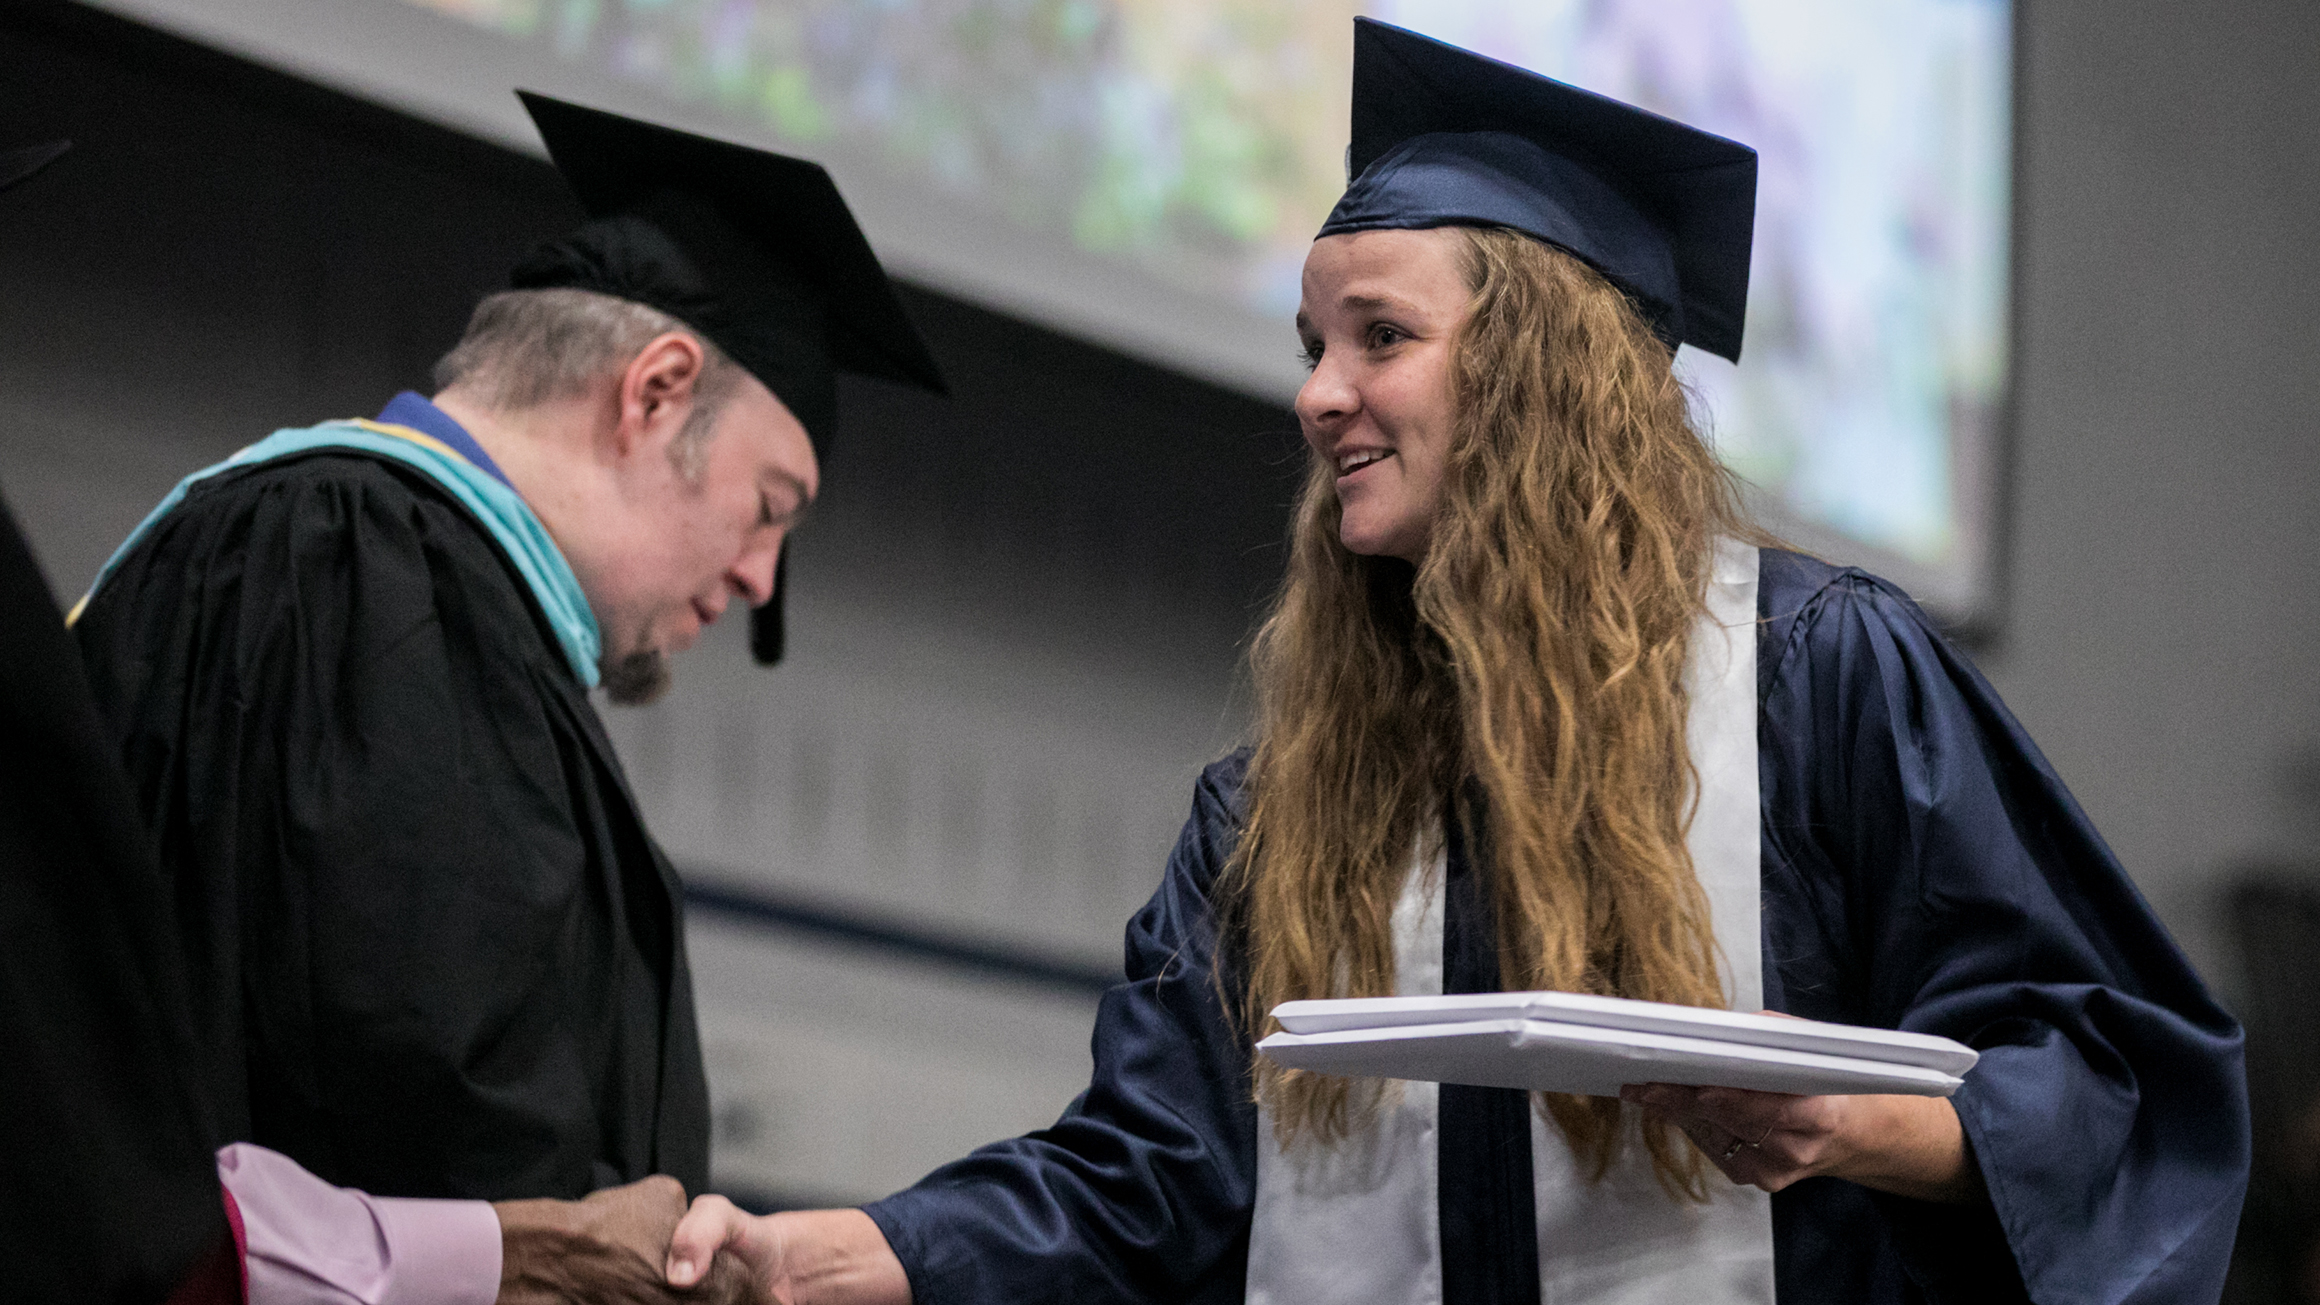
800, 1257
1910, 1146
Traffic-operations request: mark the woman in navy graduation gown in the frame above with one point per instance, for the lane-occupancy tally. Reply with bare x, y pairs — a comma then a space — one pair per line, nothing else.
1493, 648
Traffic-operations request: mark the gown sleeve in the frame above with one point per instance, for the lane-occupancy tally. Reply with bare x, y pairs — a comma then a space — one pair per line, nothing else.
357, 796
1142, 1190
1950, 884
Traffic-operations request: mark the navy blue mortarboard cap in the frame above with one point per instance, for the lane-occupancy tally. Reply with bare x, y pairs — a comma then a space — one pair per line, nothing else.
755, 250
1446, 137
18, 164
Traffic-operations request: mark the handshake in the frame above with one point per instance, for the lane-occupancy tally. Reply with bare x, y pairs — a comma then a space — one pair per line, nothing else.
640, 1245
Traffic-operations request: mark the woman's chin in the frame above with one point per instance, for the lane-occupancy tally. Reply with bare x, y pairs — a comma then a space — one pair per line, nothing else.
1378, 543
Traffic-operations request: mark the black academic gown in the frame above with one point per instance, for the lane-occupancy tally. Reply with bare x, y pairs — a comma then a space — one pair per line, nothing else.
108, 1185
434, 950
1923, 869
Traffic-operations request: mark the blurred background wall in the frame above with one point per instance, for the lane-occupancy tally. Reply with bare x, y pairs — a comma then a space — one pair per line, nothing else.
2162, 636
1016, 619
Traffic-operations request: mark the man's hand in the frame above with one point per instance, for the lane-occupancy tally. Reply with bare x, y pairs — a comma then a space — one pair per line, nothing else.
1910, 1146
801, 1257
607, 1248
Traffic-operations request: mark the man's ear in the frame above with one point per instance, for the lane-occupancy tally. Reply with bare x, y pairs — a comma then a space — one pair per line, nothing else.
657, 390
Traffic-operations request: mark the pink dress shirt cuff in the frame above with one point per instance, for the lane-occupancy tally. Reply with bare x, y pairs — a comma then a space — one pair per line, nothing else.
309, 1243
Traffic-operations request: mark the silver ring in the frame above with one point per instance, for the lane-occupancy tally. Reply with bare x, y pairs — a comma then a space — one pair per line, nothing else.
1739, 1142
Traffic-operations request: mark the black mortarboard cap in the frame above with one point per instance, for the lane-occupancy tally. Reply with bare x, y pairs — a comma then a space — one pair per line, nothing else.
755, 250
1446, 137
18, 164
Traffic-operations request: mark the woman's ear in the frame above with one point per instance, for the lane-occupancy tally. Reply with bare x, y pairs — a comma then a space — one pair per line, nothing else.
657, 390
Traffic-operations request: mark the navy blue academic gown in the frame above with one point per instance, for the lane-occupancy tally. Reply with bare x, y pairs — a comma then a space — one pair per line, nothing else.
1923, 869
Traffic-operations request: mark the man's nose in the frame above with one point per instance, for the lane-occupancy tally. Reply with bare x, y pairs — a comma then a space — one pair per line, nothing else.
752, 572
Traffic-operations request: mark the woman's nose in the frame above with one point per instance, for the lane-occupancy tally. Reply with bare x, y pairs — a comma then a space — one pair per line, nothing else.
1327, 398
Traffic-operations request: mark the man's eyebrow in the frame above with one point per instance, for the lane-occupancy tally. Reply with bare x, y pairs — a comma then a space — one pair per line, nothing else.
805, 497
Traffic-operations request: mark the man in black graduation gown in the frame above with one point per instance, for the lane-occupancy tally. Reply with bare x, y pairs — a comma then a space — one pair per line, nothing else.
434, 950
109, 1180
110, 1174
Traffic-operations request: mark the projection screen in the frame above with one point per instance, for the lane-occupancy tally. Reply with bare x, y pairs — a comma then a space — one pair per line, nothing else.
1148, 173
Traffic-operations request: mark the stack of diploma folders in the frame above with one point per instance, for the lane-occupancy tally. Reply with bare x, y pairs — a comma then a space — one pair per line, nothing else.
1565, 1042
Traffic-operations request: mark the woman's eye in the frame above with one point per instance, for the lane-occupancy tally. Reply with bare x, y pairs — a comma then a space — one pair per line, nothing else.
1310, 355
1382, 336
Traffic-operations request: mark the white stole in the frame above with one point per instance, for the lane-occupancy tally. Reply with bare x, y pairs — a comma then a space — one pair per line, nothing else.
1359, 1220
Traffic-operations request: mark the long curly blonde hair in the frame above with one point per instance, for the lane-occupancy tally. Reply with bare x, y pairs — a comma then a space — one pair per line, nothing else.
1528, 675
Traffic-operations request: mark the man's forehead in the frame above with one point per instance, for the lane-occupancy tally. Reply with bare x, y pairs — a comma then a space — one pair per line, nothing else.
781, 454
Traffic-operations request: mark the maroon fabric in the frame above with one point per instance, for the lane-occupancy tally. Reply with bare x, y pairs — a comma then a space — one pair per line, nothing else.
241, 1241
221, 1275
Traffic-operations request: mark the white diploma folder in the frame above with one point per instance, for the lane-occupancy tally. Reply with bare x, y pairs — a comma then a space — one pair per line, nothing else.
1566, 1042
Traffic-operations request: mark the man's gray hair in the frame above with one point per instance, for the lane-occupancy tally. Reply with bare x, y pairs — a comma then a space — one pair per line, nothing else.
527, 347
